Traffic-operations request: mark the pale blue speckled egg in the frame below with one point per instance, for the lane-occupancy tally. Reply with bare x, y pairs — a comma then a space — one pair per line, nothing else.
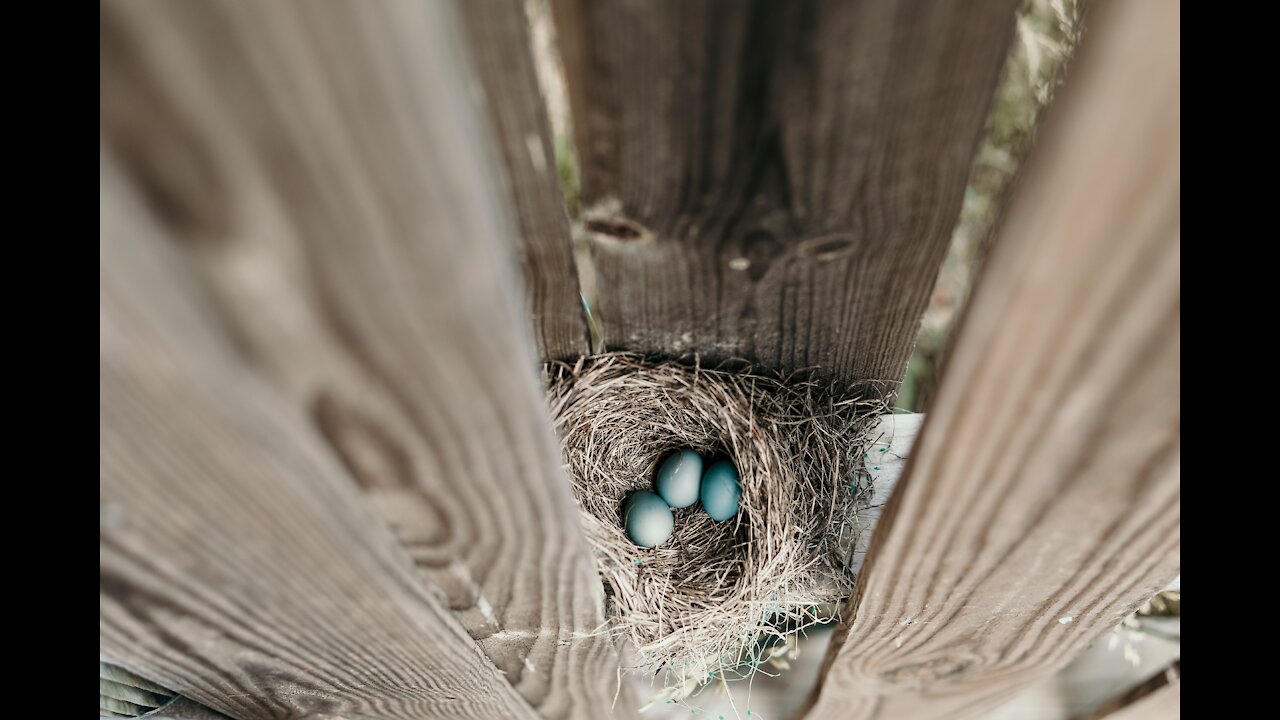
679, 477
647, 519
721, 490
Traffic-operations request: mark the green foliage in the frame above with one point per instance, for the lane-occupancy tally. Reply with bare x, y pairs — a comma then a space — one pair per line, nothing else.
567, 170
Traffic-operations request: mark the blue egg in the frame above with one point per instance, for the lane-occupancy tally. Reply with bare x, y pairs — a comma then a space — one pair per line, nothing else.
721, 490
679, 477
647, 519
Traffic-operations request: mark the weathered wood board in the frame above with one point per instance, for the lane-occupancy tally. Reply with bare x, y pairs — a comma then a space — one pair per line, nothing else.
239, 566
325, 237
777, 182
500, 43
1041, 503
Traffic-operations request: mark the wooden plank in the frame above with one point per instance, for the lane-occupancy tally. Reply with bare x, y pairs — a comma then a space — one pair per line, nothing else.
238, 564
325, 189
1163, 704
500, 44
772, 181
1041, 504
1156, 697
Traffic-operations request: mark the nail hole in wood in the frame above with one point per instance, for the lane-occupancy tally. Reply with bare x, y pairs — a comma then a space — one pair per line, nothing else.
826, 247
619, 229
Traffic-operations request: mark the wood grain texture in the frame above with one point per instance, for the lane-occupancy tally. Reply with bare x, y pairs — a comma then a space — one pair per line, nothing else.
777, 182
239, 566
326, 193
1041, 503
500, 44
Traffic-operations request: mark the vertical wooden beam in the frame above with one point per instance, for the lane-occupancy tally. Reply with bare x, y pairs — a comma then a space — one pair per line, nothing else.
1041, 502
238, 564
500, 44
325, 193
777, 182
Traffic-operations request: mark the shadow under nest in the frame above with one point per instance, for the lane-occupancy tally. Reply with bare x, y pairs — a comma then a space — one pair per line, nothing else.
699, 602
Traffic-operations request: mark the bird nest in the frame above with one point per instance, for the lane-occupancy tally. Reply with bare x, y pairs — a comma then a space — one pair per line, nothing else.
698, 603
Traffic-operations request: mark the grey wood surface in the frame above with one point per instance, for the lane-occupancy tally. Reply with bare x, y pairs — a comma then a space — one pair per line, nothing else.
500, 44
313, 334
1041, 505
776, 182
238, 564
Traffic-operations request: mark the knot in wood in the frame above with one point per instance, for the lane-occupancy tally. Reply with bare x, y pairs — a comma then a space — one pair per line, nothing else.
927, 671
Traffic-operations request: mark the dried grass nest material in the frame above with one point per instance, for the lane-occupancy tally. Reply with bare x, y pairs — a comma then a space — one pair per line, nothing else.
699, 601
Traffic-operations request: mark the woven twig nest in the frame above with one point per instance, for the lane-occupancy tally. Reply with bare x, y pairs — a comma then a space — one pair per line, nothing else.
697, 603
